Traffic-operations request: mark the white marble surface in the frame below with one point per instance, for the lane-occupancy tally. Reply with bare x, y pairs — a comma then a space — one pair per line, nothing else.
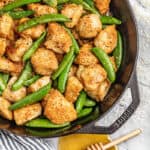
141, 118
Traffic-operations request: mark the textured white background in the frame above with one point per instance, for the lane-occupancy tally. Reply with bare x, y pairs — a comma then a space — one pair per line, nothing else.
141, 118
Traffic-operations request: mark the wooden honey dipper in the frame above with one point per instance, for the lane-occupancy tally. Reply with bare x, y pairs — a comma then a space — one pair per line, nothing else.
100, 146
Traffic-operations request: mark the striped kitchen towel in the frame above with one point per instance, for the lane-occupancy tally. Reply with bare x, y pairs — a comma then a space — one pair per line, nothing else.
10, 141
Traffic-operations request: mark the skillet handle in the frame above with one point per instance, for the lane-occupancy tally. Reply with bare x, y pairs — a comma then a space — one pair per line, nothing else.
123, 118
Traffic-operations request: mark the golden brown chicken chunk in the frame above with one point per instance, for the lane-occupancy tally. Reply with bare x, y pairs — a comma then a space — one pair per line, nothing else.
42, 9
9, 67
6, 27
4, 111
25, 114
102, 5
34, 32
3, 45
73, 70
73, 12
92, 76
39, 84
85, 56
107, 39
73, 89
16, 52
112, 59
58, 39
58, 109
89, 26
44, 61
100, 93
13, 96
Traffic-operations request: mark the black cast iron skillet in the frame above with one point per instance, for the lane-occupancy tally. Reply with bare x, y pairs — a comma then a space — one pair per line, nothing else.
126, 78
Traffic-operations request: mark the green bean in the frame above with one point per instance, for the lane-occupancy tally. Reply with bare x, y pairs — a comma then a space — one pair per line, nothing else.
107, 64
20, 14
32, 80
67, 58
34, 47
62, 1
89, 103
110, 20
42, 19
94, 115
76, 1
16, 4
46, 133
25, 75
90, 3
2, 83
80, 101
64, 75
44, 123
52, 3
5, 77
74, 42
118, 52
31, 98
85, 112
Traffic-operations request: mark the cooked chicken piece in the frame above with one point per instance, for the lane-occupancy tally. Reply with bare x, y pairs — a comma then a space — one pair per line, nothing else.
85, 56
102, 5
39, 84
73, 71
73, 89
100, 93
6, 27
3, 45
107, 39
14, 96
25, 114
74, 12
58, 109
89, 26
79, 71
58, 39
92, 76
16, 52
44, 61
4, 2
42, 9
4, 111
9, 67
112, 59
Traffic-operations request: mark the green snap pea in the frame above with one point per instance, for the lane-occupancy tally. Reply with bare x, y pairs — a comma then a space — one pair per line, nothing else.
90, 3
31, 98
42, 19
85, 112
45, 133
104, 59
44, 123
5, 77
52, 3
76, 1
80, 101
110, 20
2, 83
32, 80
34, 47
67, 58
25, 75
16, 4
62, 1
89, 103
74, 42
94, 115
20, 14
118, 52
89, 8
64, 75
